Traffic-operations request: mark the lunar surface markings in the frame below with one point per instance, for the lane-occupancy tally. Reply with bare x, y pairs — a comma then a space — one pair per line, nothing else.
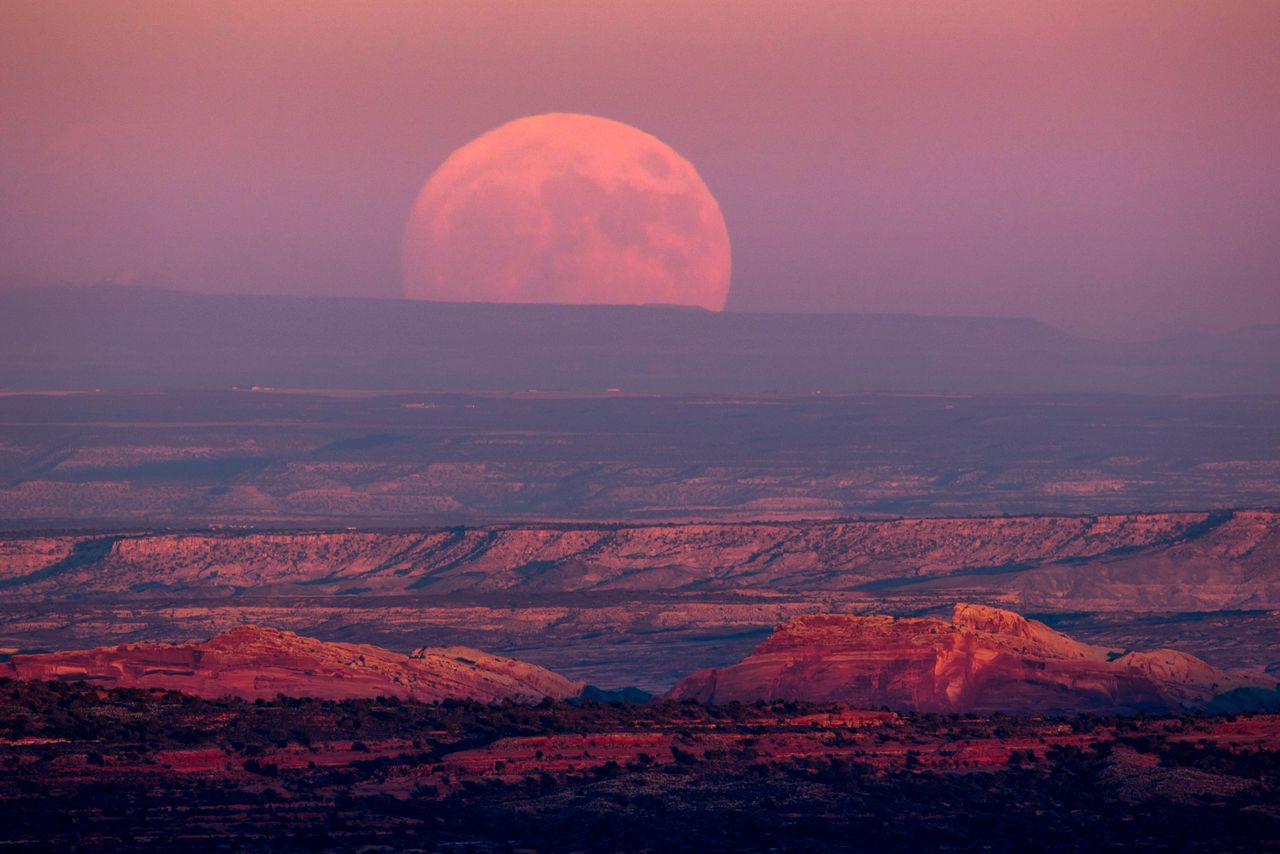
567, 208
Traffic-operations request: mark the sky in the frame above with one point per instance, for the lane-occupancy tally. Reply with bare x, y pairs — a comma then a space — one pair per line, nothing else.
1109, 167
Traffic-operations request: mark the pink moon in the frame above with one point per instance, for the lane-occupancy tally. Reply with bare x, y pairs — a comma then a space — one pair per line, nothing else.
566, 208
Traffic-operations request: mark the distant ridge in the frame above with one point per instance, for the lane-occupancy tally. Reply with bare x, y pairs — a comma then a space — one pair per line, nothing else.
135, 338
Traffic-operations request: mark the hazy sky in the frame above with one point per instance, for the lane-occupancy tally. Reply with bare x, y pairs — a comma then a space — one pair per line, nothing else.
1107, 166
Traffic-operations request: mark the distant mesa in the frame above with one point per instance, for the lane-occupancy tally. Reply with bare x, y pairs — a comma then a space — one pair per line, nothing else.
121, 338
260, 663
984, 660
1107, 562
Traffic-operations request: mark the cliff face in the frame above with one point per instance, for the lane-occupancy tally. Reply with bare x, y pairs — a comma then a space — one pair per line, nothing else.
985, 660
1187, 560
252, 663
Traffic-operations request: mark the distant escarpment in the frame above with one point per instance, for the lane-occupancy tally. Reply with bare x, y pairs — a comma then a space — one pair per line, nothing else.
985, 660
1187, 561
259, 663
117, 336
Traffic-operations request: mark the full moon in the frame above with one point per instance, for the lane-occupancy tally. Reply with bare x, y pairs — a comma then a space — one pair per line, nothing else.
565, 208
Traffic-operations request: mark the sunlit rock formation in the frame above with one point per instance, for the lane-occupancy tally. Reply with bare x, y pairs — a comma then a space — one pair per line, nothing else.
984, 660
253, 662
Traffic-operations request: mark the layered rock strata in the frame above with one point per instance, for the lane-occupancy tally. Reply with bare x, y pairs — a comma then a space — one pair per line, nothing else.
984, 660
260, 663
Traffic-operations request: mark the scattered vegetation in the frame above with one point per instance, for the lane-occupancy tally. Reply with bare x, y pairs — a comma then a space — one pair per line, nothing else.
126, 769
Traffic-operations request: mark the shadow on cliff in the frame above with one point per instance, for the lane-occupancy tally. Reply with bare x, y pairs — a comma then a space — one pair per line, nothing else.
83, 553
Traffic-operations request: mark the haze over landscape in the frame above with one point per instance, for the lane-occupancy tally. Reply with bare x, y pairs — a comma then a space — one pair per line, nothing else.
1107, 167
640, 427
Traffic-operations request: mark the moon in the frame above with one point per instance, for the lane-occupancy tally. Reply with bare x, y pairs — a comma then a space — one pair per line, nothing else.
567, 208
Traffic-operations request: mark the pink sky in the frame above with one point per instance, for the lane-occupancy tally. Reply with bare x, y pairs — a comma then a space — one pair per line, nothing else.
1112, 167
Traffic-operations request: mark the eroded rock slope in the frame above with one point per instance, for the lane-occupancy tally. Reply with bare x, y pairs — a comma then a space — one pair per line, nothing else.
1179, 560
253, 662
984, 660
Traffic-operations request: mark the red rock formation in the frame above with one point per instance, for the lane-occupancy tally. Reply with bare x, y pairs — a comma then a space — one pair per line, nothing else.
253, 662
985, 660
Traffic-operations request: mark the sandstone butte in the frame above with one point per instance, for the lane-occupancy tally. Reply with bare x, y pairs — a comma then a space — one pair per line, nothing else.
260, 663
985, 660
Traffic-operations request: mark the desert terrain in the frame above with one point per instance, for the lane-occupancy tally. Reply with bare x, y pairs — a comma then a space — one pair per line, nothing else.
128, 769
620, 605
574, 427
983, 659
574, 557
105, 460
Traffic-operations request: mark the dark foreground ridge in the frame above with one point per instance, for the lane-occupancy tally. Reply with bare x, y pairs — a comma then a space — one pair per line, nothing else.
136, 770
141, 338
